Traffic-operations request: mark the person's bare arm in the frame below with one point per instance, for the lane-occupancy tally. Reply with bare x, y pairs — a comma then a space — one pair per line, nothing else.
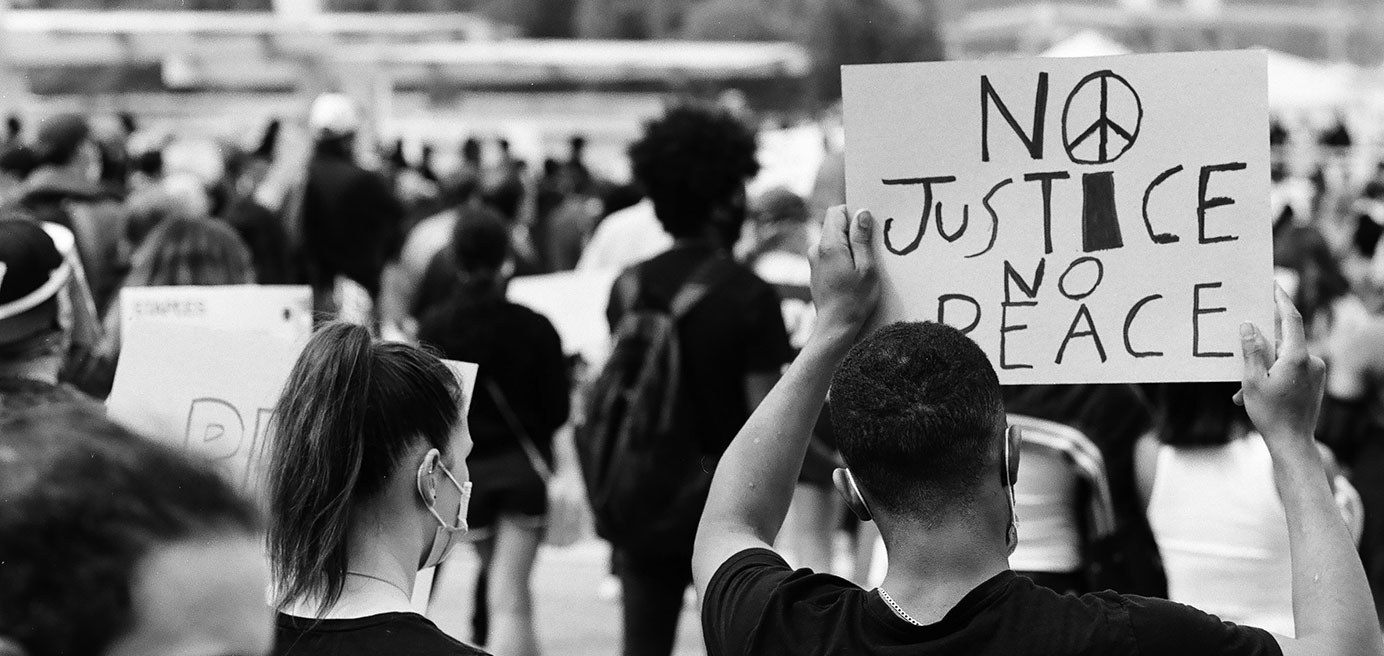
755, 478
1332, 608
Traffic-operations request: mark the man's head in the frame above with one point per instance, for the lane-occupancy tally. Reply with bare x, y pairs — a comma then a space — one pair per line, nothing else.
919, 419
66, 141
32, 274
333, 118
115, 545
693, 163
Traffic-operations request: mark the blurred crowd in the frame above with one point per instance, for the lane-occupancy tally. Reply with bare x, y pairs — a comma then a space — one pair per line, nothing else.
404, 253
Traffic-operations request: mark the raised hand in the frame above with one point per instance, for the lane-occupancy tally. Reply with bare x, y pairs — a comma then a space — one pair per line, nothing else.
1282, 395
845, 287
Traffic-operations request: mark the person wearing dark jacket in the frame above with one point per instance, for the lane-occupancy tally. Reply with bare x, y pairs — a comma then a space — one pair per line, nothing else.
352, 224
65, 189
522, 398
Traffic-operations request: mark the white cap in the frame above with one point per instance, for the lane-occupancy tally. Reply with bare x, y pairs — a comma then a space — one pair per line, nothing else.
333, 114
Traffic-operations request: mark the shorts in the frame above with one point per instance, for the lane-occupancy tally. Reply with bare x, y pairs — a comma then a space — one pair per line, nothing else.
504, 485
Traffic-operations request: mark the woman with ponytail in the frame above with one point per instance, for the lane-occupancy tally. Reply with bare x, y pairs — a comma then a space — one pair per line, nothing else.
368, 484
522, 399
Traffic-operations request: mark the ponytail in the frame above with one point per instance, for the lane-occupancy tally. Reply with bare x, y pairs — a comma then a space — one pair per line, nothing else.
350, 411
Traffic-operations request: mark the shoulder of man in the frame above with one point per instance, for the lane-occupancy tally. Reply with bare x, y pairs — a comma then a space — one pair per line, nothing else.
1159, 626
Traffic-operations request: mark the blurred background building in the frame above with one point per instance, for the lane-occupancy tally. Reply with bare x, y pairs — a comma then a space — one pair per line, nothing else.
538, 69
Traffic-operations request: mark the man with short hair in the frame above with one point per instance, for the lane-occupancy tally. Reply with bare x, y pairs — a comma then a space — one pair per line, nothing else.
115, 545
65, 189
920, 424
351, 223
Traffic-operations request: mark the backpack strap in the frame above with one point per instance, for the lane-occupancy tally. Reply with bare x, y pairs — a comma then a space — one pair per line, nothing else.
704, 278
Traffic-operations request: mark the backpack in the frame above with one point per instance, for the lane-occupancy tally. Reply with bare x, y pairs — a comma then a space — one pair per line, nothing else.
646, 475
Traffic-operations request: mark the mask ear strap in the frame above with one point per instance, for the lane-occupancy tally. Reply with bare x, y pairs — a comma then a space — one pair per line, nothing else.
850, 491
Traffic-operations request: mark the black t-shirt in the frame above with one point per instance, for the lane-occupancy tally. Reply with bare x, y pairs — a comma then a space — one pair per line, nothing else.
520, 351
736, 330
756, 604
386, 634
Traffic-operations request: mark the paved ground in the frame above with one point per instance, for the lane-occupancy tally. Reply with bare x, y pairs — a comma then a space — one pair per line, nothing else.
572, 620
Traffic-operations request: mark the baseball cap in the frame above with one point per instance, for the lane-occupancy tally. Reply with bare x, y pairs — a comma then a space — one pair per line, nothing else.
333, 115
32, 267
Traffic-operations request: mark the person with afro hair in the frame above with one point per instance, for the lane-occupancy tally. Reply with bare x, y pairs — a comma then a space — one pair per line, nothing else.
693, 163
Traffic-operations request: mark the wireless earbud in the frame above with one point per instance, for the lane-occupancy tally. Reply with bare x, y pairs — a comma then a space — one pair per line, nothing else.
845, 484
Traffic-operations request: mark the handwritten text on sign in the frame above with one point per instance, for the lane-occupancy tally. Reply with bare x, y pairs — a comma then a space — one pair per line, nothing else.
1083, 220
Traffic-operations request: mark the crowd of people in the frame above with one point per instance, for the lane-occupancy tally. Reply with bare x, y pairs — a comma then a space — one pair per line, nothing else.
704, 440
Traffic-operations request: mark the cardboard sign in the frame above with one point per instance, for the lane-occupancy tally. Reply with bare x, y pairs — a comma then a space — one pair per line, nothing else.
207, 390
1083, 220
466, 375
213, 392
281, 309
575, 301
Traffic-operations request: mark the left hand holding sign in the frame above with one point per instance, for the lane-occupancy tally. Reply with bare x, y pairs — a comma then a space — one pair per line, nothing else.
845, 286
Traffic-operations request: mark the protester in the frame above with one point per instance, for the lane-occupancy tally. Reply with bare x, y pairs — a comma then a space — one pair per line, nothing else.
693, 162
921, 426
1113, 417
351, 223
180, 251
1353, 413
1207, 480
66, 189
521, 399
368, 485
110, 544
36, 321
778, 245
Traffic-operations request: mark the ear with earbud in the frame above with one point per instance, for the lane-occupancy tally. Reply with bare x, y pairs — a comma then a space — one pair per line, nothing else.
845, 484
1009, 466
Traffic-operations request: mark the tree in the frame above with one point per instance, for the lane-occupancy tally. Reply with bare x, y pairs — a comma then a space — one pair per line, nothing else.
870, 32
738, 20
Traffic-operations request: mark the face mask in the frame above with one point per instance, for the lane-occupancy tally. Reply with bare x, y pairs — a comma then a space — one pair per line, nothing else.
445, 538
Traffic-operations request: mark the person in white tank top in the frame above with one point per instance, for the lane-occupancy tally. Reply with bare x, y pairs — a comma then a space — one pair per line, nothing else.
1207, 482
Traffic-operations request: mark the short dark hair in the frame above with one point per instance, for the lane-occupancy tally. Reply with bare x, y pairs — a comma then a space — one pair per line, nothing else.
350, 411
692, 159
480, 239
917, 413
1199, 414
82, 501
60, 138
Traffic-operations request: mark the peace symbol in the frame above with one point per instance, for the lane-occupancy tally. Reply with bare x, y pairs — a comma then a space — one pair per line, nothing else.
1099, 139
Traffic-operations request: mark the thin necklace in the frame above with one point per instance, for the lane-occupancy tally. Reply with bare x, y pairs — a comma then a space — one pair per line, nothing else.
897, 609
386, 582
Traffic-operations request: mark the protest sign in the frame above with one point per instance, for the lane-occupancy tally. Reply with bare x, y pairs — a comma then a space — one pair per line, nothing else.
213, 392
1083, 220
281, 309
207, 390
575, 302
466, 375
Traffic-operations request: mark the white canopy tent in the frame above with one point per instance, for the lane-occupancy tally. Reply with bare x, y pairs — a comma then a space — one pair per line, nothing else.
1086, 43
1296, 83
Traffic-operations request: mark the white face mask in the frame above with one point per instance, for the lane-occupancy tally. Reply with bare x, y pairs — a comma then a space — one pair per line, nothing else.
445, 538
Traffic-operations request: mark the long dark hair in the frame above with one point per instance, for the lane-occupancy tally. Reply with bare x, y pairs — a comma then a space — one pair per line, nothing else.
351, 409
